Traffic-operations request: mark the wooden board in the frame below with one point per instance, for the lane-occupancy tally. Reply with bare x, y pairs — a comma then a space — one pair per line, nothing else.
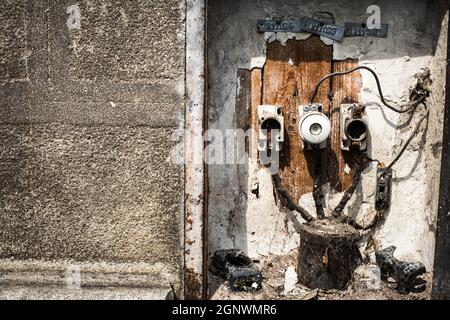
248, 98
288, 80
289, 77
256, 84
344, 90
242, 120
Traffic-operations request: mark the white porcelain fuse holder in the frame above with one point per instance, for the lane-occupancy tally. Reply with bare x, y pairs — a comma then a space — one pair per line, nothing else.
354, 127
270, 127
314, 126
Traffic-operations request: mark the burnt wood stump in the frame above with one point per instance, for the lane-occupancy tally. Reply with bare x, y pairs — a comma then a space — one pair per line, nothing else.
328, 254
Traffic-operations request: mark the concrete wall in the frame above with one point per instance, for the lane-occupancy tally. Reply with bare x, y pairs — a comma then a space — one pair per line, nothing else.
416, 40
90, 93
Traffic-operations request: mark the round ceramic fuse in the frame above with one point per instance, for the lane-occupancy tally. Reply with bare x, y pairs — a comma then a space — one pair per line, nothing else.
315, 128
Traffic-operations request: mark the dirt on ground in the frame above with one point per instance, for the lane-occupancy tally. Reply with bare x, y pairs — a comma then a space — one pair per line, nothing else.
274, 268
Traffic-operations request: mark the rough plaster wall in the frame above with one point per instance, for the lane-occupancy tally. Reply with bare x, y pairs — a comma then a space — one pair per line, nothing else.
87, 111
412, 220
259, 227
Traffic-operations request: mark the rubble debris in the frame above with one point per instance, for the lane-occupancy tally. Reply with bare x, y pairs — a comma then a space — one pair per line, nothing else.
311, 295
290, 280
298, 292
404, 273
238, 269
274, 268
369, 275
244, 279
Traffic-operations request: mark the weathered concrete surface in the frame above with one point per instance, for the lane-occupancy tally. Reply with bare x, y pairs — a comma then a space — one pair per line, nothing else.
51, 292
85, 193
412, 44
142, 29
66, 280
90, 94
411, 224
13, 42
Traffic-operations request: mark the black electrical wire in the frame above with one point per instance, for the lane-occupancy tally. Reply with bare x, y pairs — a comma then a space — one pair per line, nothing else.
409, 105
318, 196
336, 213
291, 205
317, 188
357, 177
413, 134
348, 194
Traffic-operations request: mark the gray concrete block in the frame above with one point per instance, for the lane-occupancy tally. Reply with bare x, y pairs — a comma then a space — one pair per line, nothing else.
13, 41
17, 292
125, 54
87, 112
121, 51
89, 194
36, 279
143, 44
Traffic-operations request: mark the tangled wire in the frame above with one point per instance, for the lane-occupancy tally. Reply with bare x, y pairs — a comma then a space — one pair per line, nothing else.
418, 96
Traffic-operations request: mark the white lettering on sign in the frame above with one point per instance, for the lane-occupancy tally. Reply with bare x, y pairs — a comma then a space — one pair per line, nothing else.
374, 21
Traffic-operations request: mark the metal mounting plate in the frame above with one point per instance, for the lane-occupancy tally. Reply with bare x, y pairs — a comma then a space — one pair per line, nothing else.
361, 30
324, 29
305, 24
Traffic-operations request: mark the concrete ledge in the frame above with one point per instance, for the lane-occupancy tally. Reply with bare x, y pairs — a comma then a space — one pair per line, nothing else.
68, 280
9, 292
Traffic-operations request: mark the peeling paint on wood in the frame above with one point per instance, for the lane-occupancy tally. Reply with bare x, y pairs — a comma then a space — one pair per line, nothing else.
256, 100
289, 77
344, 90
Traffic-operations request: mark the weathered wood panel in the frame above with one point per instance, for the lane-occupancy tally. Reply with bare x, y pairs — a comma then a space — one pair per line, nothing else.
242, 120
289, 77
344, 90
256, 85
248, 98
